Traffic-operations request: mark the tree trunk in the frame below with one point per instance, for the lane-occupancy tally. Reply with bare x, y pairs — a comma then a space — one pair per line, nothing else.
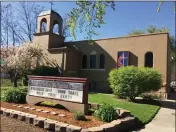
11, 76
15, 79
15, 83
11, 80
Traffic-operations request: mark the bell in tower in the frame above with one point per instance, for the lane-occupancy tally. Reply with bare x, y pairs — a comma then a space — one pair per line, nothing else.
49, 30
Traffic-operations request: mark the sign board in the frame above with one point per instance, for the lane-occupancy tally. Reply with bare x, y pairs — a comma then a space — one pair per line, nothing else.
68, 91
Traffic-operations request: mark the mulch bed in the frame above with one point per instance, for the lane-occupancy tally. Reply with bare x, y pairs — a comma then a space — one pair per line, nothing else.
91, 121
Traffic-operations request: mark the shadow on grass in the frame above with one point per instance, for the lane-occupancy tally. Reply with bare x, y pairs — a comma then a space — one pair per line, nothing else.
151, 102
161, 103
93, 93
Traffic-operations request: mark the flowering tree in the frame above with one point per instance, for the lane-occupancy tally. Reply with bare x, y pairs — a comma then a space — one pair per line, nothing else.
18, 60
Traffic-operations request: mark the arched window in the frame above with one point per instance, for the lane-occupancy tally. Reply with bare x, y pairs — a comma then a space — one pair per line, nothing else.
149, 59
102, 61
43, 25
84, 62
56, 27
93, 60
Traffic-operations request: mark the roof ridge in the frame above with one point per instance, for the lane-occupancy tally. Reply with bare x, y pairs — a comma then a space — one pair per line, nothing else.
128, 36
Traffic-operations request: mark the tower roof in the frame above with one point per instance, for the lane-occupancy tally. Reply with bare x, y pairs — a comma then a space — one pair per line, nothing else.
48, 13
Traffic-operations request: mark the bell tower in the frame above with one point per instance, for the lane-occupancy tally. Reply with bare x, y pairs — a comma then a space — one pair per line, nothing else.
49, 30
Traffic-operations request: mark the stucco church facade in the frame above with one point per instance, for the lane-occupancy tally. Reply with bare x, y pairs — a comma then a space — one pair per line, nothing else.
94, 61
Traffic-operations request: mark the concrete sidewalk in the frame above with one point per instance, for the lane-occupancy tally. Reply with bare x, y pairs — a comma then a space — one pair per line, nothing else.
164, 121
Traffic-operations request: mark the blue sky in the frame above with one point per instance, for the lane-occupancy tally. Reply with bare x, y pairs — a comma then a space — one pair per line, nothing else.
127, 16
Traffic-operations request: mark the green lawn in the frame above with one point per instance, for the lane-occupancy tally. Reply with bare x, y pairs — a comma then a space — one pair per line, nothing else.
6, 82
144, 112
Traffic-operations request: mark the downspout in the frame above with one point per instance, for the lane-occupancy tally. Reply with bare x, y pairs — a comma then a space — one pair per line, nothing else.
175, 50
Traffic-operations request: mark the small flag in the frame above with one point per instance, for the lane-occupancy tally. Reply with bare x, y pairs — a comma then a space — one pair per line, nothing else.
122, 59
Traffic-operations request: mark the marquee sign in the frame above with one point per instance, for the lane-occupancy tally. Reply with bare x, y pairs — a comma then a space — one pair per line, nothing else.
56, 89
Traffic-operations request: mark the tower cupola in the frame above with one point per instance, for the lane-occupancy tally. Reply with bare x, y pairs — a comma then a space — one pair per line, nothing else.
49, 29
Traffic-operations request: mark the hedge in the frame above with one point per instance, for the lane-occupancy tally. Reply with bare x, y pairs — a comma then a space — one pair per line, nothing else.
129, 82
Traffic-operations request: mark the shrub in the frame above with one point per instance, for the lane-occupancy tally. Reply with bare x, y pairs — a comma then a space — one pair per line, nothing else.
39, 71
48, 103
130, 82
150, 96
45, 71
24, 80
15, 95
151, 79
51, 104
79, 116
106, 113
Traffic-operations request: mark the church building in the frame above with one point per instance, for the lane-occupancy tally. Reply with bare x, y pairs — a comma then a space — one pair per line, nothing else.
95, 61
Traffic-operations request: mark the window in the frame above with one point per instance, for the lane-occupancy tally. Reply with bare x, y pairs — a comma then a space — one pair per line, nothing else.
43, 25
93, 60
56, 27
149, 59
102, 61
84, 62
122, 58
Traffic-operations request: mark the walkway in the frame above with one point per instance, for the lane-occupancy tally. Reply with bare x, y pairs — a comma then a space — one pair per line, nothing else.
164, 121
